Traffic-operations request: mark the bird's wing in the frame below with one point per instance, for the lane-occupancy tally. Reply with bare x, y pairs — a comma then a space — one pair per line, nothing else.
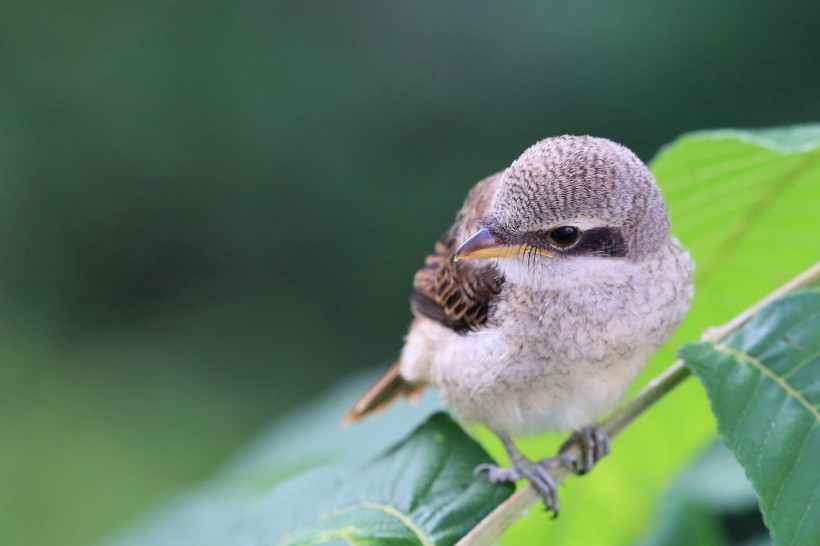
458, 294
455, 294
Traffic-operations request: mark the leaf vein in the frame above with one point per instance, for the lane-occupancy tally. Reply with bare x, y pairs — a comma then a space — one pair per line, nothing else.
802, 363
765, 200
791, 327
792, 466
791, 391
422, 494
765, 443
750, 395
387, 509
404, 518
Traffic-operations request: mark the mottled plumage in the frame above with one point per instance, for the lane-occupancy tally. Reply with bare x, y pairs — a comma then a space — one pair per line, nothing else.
458, 294
557, 281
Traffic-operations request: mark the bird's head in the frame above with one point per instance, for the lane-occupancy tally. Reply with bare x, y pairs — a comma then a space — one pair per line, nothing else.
571, 211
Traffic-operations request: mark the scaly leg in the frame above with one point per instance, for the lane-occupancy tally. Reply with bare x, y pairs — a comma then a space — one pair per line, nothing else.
594, 443
537, 473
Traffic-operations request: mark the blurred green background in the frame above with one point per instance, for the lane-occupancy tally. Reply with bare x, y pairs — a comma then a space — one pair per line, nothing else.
210, 212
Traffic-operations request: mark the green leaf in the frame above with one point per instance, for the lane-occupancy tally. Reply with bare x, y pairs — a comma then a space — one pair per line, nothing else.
730, 194
420, 492
763, 383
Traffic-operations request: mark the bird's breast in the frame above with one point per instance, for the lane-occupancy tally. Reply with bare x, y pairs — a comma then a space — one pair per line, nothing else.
556, 360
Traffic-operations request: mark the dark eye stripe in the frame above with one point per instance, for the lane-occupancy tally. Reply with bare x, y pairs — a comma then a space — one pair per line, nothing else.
602, 241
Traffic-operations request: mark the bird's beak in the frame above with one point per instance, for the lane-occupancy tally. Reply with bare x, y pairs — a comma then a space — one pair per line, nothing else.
483, 244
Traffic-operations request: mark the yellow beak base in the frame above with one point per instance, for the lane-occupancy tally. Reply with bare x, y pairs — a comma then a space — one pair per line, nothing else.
483, 244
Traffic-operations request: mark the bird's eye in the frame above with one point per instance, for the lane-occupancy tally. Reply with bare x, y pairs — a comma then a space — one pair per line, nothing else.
564, 235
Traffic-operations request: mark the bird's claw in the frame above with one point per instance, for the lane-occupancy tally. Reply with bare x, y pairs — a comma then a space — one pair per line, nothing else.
537, 473
539, 477
498, 474
594, 444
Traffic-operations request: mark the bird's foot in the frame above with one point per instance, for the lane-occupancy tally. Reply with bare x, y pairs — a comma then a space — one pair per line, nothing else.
498, 474
594, 444
537, 473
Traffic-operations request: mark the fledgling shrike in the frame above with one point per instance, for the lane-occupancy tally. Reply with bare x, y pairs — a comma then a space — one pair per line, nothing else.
542, 302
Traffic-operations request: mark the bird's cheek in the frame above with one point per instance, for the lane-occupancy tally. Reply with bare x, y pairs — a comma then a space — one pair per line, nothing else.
530, 272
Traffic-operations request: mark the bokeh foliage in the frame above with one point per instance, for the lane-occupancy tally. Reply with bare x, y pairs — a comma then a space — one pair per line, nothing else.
194, 196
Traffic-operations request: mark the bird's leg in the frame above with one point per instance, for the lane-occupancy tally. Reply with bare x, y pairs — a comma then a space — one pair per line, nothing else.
594, 444
537, 473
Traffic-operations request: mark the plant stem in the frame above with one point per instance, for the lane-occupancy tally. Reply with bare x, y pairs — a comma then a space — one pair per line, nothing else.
499, 520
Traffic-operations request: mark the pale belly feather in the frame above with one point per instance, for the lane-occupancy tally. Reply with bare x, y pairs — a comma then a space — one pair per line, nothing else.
547, 361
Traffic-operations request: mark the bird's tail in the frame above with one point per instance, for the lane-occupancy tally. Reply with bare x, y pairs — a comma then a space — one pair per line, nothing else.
384, 391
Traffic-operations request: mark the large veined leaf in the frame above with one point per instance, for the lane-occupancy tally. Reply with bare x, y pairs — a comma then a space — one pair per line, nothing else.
746, 204
420, 492
764, 386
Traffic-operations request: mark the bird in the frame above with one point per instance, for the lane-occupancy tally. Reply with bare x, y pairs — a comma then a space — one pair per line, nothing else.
539, 306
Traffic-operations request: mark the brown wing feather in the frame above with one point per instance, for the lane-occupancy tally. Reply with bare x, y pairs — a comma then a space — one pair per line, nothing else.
455, 294
458, 294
